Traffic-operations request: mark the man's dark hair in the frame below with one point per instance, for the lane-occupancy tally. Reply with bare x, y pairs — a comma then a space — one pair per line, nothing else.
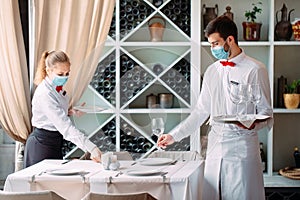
224, 26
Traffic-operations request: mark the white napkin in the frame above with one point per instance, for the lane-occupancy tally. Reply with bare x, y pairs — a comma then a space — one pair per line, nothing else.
247, 122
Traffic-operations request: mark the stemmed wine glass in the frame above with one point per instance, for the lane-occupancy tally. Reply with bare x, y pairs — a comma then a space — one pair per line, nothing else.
245, 95
158, 126
255, 95
234, 96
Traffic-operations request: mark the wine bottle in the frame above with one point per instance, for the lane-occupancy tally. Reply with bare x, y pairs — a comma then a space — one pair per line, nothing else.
263, 157
297, 157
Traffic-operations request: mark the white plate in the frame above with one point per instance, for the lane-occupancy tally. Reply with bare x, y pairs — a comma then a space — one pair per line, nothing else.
143, 172
156, 161
66, 172
233, 118
89, 109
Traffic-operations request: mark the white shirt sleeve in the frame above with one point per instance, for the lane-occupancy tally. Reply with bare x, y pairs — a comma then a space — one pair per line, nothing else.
197, 117
51, 113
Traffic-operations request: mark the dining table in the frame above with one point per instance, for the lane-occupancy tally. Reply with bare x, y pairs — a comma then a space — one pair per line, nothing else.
163, 178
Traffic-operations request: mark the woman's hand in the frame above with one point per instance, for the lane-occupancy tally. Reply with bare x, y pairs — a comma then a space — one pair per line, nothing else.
96, 154
165, 140
75, 112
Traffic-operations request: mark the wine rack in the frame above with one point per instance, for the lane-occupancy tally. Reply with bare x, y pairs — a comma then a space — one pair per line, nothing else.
104, 79
178, 11
132, 68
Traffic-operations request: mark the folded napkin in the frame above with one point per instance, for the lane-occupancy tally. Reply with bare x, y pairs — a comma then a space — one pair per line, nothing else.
247, 122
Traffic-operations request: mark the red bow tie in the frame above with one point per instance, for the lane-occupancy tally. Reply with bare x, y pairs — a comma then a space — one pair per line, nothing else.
59, 88
227, 63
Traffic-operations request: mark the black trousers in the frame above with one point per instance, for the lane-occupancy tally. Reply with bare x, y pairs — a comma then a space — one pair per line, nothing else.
42, 144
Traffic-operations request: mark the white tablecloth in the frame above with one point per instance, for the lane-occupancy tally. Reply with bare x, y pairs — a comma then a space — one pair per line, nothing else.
71, 187
183, 180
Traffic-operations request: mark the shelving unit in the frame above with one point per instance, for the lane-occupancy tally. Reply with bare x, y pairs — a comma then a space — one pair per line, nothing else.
280, 58
125, 76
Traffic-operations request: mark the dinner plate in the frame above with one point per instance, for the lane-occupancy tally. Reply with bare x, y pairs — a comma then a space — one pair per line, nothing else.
156, 161
66, 172
89, 109
234, 118
143, 172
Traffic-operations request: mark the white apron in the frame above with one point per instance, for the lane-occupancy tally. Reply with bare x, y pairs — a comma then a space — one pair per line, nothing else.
233, 167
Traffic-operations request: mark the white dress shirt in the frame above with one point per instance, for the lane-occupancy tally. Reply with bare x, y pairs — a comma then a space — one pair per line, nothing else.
50, 112
214, 99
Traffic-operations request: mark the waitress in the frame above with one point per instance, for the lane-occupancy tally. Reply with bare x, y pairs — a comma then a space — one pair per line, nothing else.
50, 115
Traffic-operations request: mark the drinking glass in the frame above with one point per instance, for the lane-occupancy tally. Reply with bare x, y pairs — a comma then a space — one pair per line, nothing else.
245, 95
255, 95
158, 126
234, 96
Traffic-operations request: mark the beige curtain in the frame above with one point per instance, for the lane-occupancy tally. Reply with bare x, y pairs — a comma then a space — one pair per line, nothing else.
15, 109
79, 28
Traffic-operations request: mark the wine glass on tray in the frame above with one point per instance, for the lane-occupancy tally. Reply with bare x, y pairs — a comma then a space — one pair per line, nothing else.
255, 96
245, 96
235, 97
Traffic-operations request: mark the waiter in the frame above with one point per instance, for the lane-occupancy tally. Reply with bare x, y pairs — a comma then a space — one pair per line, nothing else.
50, 115
233, 166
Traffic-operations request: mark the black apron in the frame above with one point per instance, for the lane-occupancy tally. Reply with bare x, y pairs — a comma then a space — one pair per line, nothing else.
42, 144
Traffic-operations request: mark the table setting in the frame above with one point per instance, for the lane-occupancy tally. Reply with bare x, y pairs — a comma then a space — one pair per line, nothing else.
164, 178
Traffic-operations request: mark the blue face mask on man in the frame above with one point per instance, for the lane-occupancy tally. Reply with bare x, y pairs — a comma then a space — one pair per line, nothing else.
60, 80
219, 52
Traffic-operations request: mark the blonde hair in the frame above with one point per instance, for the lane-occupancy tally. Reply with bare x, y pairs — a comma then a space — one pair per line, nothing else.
49, 59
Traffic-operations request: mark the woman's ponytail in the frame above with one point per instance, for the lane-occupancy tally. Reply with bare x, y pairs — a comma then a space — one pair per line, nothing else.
41, 70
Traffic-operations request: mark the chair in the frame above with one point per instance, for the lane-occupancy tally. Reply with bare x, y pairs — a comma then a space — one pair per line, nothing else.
33, 195
114, 196
176, 155
122, 155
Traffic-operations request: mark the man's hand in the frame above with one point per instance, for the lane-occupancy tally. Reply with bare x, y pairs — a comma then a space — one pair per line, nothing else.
165, 140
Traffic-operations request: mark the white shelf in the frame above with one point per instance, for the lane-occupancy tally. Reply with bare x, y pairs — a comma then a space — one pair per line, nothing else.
287, 43
157, 110
151, 44
280, 181
286, 111
244, 43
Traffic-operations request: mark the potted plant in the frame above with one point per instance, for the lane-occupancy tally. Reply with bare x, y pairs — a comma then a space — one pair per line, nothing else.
291, 96
251, 28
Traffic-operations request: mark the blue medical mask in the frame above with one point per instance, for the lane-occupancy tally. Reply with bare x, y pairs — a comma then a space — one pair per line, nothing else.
219, 52
60, 80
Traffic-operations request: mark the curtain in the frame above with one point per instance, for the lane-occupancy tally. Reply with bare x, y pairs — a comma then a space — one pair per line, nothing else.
77, 27
15, 112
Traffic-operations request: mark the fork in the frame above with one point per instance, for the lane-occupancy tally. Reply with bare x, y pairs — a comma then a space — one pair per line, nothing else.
119, 173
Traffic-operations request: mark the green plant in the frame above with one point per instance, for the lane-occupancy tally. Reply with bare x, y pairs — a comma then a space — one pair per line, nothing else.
292, 88
251, 14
